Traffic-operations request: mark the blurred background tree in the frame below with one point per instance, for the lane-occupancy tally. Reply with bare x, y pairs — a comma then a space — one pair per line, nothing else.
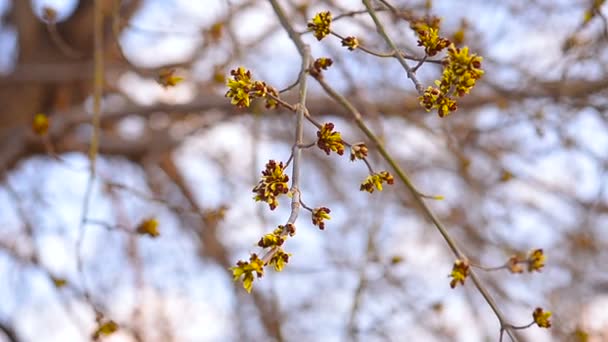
521, 164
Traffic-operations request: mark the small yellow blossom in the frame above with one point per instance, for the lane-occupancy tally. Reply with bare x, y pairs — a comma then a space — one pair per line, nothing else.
428, 36
59, 282
167, 78
242, 89
105, 329
246, 269
536, 260
460, 73
459, 36
273, 183
239, 86
506, 176
319, 215
219, 77
541, 318
319, 65
375, 181
216, 31
593, 11
580, 335
271, 239
279, 259
459, 273
328, 140
40, 124
351, 42
396, 259
148, 227
320, 24
462, 69
434, 98
323, 63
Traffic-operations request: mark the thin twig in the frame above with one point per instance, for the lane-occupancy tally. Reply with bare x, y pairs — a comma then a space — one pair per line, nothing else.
291, 86
420, 60
522, 326
300, 110
305, 206
109, 226
414, 69
353, 13
489, 269
380, 27
143, 195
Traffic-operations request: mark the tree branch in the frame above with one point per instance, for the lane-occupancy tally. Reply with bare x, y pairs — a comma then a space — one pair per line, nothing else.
9, 332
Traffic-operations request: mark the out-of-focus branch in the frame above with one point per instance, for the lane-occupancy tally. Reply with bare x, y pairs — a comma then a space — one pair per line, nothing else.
411, 74
9, 332
98, 80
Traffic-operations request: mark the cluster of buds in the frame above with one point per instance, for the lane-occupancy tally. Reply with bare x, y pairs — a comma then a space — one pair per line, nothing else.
434, 98
375, 181
246, 269
320, 24
541, 318
328, 140
358, 151
351, 42
275, 240
273, 183
319, 215
279, 258
460, 73
535, 261
242, 88
319, 65
428, 36
271, 239
277, 237
460, 272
